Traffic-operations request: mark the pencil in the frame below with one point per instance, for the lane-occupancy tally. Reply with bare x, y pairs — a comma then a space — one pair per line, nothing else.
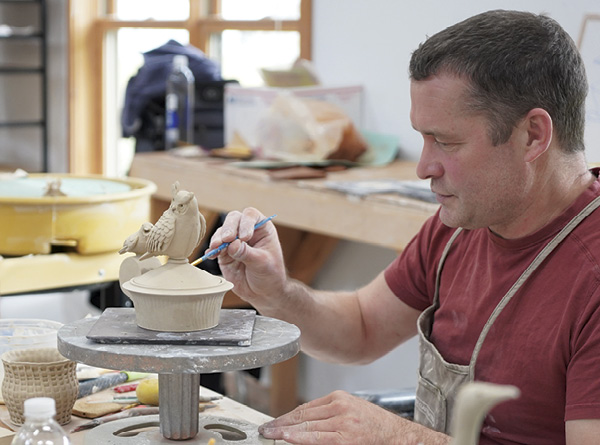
224, 245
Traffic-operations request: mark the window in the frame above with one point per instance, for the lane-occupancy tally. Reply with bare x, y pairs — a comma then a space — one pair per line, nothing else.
109, 37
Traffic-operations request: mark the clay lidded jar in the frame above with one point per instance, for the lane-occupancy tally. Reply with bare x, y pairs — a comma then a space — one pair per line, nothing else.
40, 372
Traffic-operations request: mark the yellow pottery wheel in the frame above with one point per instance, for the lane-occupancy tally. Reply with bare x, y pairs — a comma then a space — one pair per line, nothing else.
95, 214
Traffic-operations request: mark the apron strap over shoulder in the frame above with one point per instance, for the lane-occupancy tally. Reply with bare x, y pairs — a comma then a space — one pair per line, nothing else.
436, 296
566, 230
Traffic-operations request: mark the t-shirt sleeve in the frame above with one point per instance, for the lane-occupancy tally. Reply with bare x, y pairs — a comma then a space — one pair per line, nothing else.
411, 276
583, 383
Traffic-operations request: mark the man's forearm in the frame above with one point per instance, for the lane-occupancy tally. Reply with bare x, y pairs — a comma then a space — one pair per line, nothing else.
330, 321
415, 434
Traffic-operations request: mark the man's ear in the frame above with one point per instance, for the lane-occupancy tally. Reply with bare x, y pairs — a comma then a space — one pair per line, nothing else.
537, 126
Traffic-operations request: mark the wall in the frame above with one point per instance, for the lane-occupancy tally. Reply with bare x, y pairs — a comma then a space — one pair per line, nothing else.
369, 43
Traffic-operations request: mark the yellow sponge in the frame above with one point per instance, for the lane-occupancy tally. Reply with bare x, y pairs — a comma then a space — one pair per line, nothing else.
147, 391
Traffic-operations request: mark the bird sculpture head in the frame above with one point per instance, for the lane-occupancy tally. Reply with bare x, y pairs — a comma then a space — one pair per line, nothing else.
136, 242
181, 200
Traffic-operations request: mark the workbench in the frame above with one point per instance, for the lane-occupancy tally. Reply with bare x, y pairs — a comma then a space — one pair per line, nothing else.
311, 218
308, 205
221, 407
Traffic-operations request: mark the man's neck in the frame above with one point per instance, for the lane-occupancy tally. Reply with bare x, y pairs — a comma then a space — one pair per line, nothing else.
556, 189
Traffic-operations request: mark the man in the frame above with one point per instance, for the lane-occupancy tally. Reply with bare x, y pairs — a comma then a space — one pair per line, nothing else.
511, 297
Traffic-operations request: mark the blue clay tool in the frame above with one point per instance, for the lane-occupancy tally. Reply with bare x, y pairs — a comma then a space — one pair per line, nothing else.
216, 251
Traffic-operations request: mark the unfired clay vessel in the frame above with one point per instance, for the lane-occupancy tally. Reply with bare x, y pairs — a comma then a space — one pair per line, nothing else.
176, 296
473, 402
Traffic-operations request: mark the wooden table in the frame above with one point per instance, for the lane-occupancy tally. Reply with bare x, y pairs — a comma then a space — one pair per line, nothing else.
311, 218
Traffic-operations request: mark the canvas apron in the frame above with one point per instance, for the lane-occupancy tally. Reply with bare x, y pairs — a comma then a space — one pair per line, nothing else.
438, 380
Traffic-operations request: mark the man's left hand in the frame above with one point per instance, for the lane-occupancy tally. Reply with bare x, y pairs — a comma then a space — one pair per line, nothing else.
341, 418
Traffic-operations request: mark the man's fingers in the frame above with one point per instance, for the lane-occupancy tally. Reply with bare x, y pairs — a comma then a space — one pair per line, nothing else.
250, 218
318, 409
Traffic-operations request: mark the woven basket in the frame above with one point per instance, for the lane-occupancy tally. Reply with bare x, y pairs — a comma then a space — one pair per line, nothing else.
39, 373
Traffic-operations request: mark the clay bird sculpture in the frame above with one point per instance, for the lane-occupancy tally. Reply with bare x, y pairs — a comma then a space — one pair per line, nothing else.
137, 242
179, 230
473, 402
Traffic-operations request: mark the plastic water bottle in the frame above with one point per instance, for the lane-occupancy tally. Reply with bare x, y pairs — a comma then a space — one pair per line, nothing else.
179, 104
39, 427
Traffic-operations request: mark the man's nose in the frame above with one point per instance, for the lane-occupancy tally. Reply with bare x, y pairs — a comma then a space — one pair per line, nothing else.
428, 166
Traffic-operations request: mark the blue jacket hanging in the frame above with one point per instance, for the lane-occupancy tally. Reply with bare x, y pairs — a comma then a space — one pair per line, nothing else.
150, 81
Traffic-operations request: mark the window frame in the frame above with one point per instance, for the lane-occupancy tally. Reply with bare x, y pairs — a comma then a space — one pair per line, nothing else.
88, 27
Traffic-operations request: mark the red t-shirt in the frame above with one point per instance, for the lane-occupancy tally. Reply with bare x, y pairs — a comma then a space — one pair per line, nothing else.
546, 341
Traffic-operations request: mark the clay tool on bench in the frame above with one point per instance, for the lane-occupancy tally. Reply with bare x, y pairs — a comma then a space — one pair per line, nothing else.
224, 245
106, 381
145, 411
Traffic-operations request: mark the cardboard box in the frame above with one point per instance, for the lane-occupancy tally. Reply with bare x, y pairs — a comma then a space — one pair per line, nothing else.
245, 107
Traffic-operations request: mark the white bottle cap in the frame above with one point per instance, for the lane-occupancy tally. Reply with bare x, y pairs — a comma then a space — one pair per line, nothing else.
38, 407
180, 60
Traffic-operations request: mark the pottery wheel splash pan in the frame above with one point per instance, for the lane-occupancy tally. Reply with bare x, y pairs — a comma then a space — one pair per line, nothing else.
117, 325
87, 214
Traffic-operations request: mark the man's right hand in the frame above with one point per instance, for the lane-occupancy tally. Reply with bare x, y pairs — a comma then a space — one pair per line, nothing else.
254, 261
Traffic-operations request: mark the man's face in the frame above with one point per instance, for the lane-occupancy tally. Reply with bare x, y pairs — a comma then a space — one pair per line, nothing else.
476, 183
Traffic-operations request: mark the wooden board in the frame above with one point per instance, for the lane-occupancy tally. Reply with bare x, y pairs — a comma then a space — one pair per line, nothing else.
117, 325
91, 410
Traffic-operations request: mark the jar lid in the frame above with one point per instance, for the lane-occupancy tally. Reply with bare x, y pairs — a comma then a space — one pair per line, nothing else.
177, 277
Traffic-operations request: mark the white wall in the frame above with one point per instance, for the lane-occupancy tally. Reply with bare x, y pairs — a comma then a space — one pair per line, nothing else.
370, 43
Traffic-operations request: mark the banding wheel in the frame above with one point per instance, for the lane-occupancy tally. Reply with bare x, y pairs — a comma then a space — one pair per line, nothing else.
179, 368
